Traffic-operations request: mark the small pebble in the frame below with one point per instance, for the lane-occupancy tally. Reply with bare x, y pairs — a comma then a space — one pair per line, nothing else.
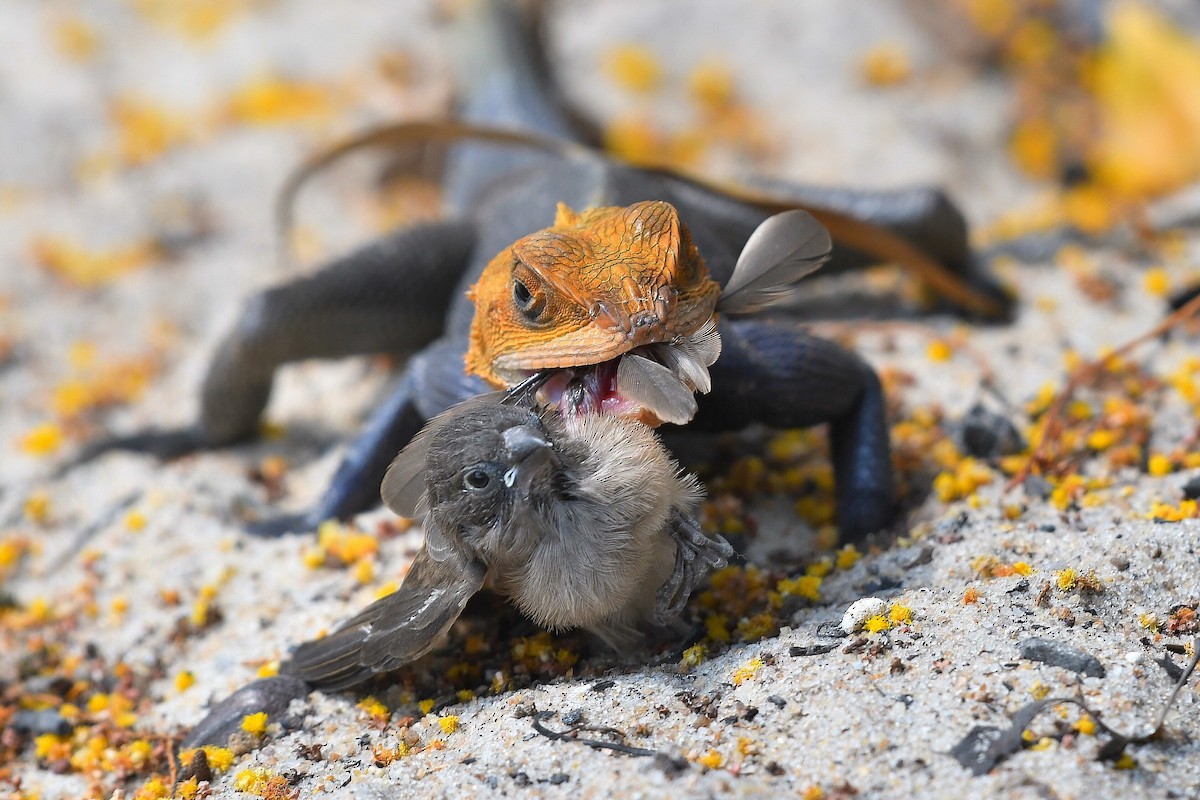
1057, 654
860, 611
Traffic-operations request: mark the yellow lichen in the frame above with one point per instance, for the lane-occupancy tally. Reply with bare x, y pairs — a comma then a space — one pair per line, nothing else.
847, 557
43, 440
694, 656
633, 67
746, 671
255, 724
448, 724
886, 65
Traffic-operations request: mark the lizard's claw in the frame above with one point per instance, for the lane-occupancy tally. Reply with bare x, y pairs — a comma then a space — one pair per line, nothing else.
696, 554
282, 525
164, 445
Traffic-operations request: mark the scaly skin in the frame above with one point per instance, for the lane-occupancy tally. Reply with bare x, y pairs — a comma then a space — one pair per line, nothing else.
589, 288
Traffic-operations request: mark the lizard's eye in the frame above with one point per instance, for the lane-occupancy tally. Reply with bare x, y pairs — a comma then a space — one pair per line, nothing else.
528, 295
522, 295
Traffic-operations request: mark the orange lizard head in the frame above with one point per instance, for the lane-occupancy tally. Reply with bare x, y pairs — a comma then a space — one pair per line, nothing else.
587, 290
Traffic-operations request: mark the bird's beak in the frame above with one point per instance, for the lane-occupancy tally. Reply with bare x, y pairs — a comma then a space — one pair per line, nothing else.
528, 448
523, 441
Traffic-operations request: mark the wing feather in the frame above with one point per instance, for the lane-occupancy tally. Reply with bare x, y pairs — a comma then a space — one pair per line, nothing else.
781, 251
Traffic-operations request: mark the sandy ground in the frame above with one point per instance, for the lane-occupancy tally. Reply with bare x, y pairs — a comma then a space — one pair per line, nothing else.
873, 715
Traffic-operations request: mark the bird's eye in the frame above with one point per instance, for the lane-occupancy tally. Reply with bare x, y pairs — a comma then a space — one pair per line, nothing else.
477, 480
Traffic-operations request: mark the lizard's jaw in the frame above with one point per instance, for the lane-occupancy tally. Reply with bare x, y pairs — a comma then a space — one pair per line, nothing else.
651, 384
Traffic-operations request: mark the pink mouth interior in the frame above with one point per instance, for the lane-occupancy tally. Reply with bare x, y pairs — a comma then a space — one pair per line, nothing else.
599, 393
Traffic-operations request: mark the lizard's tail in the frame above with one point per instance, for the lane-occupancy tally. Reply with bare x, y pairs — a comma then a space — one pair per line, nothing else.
502, 75
503, 82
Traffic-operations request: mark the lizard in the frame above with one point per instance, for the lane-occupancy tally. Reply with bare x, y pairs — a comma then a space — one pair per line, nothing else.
410, 294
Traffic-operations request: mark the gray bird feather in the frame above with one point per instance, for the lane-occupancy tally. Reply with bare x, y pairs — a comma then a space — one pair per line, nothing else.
781, 251
655, 387
394, 630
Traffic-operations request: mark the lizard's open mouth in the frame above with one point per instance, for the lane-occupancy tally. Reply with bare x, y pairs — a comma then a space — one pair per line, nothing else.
654, 383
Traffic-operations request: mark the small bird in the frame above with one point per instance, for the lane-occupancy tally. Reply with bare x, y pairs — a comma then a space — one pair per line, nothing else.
583, 522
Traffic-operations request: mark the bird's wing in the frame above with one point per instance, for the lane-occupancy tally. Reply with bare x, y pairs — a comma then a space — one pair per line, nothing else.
393, 630
781, 251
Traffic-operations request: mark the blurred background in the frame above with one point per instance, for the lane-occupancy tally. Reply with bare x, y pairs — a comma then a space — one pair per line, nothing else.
142, 143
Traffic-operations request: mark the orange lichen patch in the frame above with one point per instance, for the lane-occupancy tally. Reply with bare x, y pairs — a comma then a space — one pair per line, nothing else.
340, 545
1034, 147
259, 781
1187, 509
711, 85
992, 567
633, 67
967, 476
886, 65
712, 759
636, 139
385, 756
538, 654
88, 269
74, 38
1183, 620
116, 383
971, 596
145, 130
274, 100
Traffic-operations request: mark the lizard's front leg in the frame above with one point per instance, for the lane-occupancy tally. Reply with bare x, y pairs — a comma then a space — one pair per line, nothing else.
389, 297
780, 375
433, 381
